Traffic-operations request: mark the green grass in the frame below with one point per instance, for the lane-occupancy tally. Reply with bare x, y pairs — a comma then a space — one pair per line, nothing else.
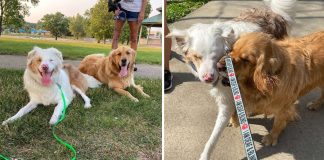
177, 9
114, 128
73, 49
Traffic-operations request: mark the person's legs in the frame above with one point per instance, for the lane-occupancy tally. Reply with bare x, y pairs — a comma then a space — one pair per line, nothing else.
117, 31
167, 48
133, 26
167, 55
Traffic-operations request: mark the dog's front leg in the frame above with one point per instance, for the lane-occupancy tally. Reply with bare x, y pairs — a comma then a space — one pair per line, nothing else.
23, 111
225, 111
57, 113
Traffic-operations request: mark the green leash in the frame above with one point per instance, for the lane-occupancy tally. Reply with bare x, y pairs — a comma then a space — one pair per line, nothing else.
3, 157
67, 145
70, 147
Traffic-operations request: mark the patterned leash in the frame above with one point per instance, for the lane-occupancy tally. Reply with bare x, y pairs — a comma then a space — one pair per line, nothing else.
244, 124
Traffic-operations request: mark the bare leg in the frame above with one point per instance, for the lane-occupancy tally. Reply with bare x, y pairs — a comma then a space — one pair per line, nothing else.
167, 47
125, 93
23, 111
133, 26
86, 99
224, 114
118, 28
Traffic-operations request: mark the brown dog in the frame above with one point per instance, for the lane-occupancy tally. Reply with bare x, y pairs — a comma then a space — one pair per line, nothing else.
115, 70
273, 74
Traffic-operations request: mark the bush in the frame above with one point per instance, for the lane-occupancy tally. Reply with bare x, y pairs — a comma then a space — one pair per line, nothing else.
177, 9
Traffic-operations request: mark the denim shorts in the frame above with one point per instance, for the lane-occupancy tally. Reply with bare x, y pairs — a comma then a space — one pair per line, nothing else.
124, 14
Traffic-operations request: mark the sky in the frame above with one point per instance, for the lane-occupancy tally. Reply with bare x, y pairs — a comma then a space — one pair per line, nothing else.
70, 8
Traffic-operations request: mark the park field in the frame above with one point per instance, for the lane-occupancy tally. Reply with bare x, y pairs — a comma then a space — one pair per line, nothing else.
114, 128
73, 49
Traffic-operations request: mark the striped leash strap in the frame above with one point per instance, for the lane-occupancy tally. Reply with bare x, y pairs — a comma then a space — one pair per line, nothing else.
244, 124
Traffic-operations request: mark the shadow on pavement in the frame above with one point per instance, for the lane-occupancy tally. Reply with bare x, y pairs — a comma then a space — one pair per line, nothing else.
302, 138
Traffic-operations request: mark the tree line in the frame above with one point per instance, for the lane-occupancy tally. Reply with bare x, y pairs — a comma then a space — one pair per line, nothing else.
96, 22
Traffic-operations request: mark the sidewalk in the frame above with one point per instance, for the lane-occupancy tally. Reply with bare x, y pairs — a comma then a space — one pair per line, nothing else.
19, 62
190, 112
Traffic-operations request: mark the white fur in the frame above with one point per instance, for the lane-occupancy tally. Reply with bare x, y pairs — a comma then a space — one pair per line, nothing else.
209, 41
46, 95
91, 81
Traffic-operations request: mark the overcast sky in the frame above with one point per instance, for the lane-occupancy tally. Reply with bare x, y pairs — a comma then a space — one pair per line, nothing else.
70, 8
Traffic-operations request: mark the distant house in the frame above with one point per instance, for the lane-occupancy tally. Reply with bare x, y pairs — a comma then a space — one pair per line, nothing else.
40, 31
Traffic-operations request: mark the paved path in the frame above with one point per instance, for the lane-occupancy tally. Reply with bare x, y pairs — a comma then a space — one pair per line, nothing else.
190, 112
19, 62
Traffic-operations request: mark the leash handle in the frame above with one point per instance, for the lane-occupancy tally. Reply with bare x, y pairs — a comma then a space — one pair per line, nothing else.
244, 124
69, 146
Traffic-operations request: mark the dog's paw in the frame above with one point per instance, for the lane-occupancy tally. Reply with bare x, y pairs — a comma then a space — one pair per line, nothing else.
134, 99
146, 95
87, 105
53, 120
4, 123
269, 140
203, 157
312, 106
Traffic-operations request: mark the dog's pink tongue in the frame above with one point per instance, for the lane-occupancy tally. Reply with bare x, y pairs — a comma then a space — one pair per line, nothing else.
46, 79
123, 71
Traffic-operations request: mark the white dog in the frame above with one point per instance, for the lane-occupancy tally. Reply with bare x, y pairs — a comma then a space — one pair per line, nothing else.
44, 73
204, 44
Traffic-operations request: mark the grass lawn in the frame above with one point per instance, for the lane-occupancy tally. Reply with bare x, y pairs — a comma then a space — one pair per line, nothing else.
73, 49
114, 128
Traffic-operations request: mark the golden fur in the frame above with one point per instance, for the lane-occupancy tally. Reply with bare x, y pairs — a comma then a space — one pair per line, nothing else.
273, 74
106, 70
76, 77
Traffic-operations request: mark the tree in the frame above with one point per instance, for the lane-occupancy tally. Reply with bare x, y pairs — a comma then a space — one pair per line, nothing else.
76, 26
101, 23
56, 23
126, 32
12, 12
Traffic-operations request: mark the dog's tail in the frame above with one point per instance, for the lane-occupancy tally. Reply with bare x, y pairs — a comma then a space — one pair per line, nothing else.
285, 8
92, 82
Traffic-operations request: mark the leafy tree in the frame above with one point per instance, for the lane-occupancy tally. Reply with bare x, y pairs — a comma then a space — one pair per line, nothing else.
12, 12
56, 23
125, 36
76, 26
100, 22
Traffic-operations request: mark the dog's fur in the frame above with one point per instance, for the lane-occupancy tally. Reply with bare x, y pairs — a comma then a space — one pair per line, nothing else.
44, 71
273, 74
204, 44
108, 70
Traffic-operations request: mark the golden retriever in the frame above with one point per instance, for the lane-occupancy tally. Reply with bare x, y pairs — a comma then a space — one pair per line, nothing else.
116, 70
273, 74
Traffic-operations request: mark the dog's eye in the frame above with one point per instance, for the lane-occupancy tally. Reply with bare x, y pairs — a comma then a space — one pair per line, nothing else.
127, 53
119, 54
39, 60
51, 60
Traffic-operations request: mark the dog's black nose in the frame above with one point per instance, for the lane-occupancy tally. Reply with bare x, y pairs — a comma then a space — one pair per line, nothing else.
124, 62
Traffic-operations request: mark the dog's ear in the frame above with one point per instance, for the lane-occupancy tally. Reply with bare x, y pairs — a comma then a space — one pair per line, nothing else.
181, 37
57, 53
229, 36
31, 54
265, 74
